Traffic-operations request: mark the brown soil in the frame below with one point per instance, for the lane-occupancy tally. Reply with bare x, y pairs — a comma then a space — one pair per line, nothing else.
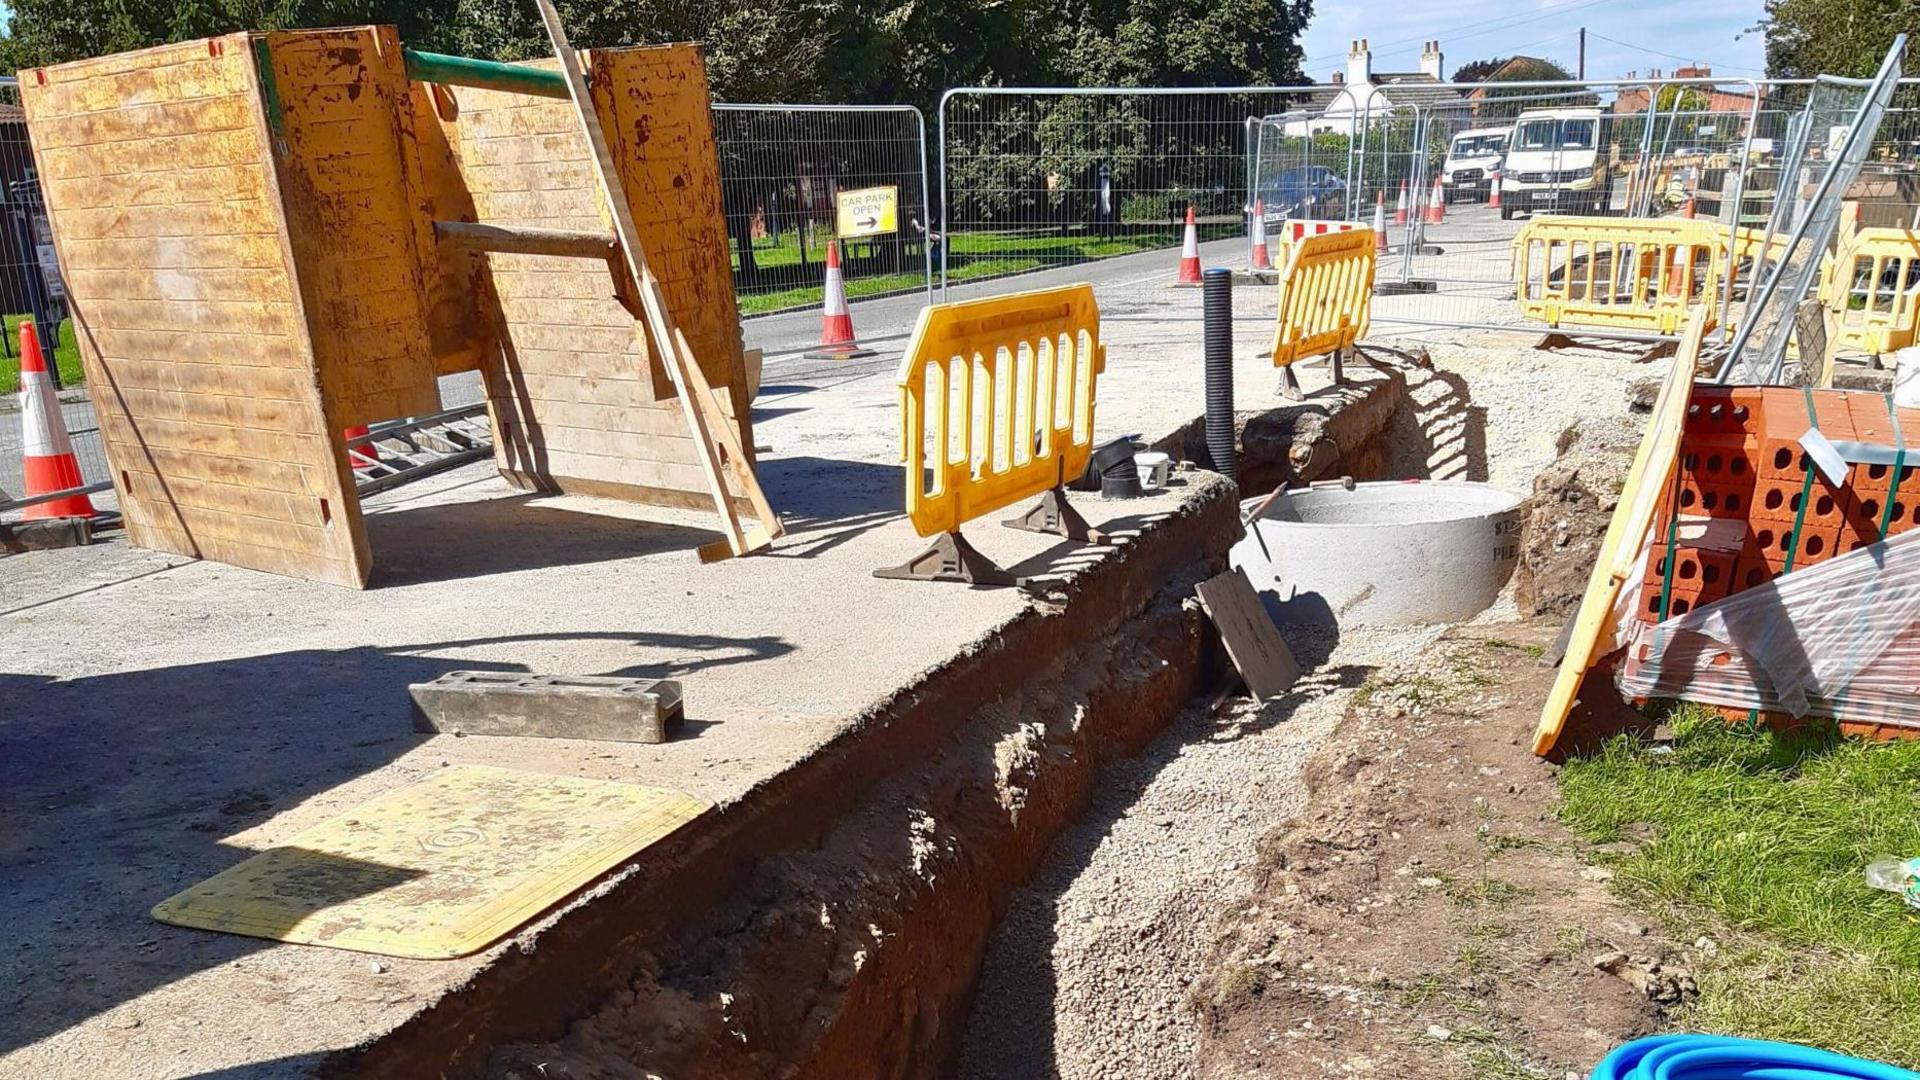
1426, 913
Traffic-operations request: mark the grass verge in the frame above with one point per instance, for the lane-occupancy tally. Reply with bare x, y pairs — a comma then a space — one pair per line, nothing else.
66, 355
1764, 836
977, 257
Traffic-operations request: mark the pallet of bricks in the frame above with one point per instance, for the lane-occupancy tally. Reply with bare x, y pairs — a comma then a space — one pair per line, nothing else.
1767, 590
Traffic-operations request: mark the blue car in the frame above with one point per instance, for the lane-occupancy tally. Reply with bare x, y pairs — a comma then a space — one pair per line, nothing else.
1314, 191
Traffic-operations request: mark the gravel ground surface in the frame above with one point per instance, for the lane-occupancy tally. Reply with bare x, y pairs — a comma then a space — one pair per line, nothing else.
1088, 975
1493, 405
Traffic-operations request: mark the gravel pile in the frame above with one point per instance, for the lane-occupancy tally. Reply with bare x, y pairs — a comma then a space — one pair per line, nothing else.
1494, 407
1088, 974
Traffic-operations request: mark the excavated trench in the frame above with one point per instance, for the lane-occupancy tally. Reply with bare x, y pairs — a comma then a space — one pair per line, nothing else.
833, 923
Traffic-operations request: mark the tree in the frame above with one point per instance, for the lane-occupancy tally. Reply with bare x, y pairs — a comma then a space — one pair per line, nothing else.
1479, 69
1499, 102
891, 51
1529, 69
1833, 37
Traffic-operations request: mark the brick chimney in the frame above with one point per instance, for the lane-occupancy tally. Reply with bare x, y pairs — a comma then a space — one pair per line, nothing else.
1432, 63
1359, 63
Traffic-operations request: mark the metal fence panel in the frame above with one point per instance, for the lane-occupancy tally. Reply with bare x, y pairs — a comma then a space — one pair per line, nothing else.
30, 287
782, 168
1047, 177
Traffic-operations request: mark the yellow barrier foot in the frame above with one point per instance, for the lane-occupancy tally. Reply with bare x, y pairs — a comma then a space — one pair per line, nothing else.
1054, 514
950, 558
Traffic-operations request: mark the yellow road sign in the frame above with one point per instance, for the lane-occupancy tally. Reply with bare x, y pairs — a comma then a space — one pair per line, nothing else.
873, 211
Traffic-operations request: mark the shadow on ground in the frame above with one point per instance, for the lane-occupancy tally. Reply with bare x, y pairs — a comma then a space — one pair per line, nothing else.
825, 502
447, 541
116, 792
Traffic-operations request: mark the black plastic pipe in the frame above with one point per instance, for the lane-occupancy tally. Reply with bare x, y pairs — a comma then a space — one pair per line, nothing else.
1216, 312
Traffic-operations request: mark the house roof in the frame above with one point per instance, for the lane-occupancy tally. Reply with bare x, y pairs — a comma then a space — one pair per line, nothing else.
1396, 87
12, 114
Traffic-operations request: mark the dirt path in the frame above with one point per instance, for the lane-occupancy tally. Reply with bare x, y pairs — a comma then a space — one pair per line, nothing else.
1426, 913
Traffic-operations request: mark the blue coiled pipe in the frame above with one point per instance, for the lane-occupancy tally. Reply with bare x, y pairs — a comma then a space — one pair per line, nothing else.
1716, 1057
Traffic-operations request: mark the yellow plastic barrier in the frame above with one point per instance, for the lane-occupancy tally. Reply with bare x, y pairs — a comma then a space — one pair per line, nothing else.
1747, 243
1326, 296
1635, 273
1871, 286
996, 405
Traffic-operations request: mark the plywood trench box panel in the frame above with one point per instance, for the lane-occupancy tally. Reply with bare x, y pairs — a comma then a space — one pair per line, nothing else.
168, 216
579, 401
246, 228
338, 108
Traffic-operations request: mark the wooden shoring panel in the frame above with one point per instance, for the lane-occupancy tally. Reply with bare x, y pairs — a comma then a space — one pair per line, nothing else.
168, 220
565, 341
350, 176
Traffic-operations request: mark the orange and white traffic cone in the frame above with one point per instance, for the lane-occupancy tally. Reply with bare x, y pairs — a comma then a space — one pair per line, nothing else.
1437, 203
1400, 208
1493, 190
48, 465
836, 320
1380, 223
1262, 259
366, 455
1688, 208
1189, 253
1676, 276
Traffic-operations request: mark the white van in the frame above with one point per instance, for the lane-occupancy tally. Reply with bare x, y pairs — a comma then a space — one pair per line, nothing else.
1473, 160
1556, 160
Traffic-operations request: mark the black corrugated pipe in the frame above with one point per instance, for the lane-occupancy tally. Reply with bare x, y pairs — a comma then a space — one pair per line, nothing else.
1216, 307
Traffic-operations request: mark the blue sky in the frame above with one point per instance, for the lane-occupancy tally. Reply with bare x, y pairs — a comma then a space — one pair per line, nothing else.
1622, 35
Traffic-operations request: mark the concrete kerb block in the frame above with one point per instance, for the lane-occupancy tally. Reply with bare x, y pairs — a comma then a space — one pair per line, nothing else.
44, 534
548, 706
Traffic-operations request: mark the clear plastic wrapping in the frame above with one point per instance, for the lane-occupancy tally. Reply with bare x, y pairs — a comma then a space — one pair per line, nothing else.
1836, 640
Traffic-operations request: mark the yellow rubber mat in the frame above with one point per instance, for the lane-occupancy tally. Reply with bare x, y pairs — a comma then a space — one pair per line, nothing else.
437, 869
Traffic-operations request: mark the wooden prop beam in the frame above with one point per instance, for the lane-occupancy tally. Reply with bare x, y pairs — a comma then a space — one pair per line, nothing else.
697, 402
513, 240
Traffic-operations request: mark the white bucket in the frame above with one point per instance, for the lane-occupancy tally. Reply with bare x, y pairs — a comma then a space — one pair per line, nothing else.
1906, 377
1154, 468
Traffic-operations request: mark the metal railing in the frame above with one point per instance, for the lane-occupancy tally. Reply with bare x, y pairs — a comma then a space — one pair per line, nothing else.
30, 287
783, 169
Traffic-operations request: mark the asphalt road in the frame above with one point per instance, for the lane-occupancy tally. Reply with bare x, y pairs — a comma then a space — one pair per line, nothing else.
1125, 285
883, 324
